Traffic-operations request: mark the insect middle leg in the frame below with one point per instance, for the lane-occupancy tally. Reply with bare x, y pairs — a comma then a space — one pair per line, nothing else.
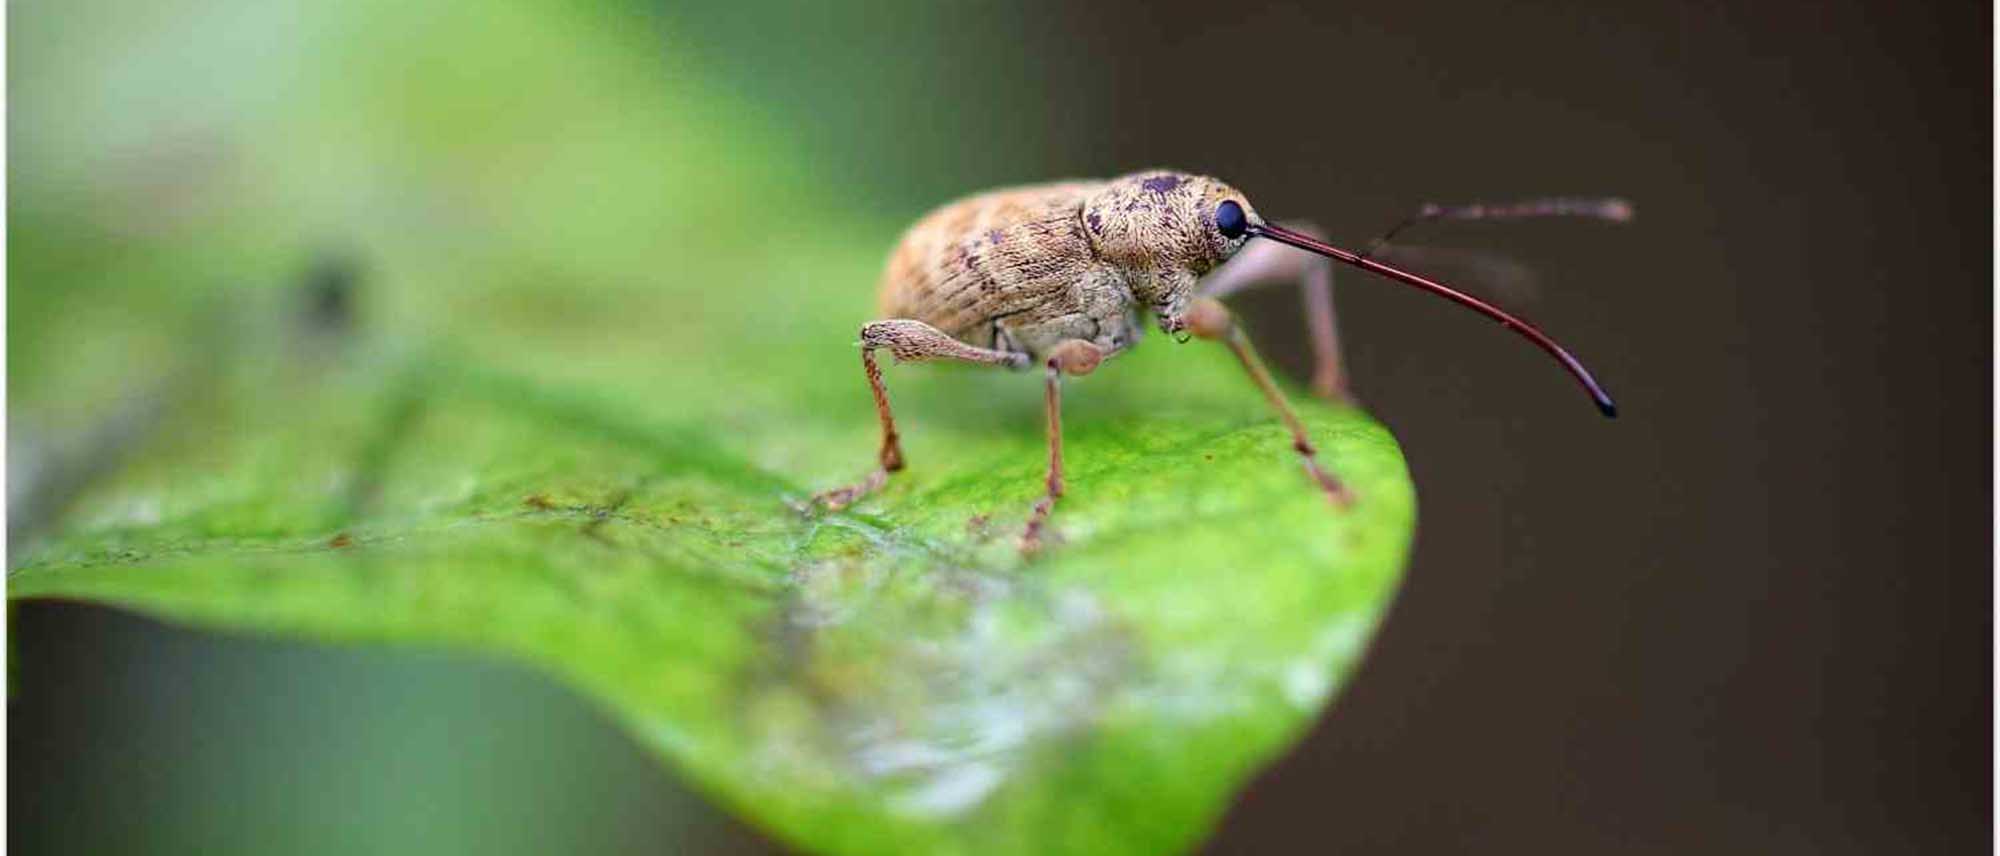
1071, 356
1209, 319
908, 341
1264, 262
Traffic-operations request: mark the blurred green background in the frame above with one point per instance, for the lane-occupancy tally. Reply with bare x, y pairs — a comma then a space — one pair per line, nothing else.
214, 171
1751, 616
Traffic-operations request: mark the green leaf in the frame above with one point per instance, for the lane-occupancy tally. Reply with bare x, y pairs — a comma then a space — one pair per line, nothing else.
568, 424
892, 679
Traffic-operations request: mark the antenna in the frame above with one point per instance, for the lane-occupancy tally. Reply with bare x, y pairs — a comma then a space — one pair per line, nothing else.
1569, 363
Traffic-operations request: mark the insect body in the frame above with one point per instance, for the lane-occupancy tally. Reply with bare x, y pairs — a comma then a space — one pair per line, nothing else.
1062, 276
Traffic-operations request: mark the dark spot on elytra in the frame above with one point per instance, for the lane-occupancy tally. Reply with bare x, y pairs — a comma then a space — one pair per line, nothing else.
1096, 224
1161, 183
995, 237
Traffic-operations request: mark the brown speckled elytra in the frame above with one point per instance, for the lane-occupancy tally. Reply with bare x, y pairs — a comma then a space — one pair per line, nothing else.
1061, 274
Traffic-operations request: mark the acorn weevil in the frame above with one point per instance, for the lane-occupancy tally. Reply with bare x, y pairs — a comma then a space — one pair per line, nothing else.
1059, 275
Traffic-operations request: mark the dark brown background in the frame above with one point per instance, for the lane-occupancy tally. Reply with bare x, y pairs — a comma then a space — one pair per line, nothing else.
1752, 615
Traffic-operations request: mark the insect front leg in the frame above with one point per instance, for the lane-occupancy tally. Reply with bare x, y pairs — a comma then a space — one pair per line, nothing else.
1263, 263
1209, 319
908, 341
1071, 356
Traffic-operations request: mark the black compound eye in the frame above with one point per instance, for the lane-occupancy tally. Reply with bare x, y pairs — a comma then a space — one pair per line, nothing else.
1229, 220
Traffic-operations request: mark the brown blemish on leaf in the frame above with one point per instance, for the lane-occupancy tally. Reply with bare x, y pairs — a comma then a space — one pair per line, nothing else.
341, 541
538, 502
978, 527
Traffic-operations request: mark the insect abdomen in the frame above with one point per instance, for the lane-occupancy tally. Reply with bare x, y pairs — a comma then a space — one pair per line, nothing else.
999, 258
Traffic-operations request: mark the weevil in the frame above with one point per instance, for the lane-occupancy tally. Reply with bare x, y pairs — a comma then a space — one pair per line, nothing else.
1061, 276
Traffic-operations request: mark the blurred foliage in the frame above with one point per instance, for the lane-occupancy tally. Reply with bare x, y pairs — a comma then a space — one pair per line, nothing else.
129, 737
502, 326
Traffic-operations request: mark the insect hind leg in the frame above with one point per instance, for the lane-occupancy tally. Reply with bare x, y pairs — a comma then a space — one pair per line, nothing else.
908, 341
